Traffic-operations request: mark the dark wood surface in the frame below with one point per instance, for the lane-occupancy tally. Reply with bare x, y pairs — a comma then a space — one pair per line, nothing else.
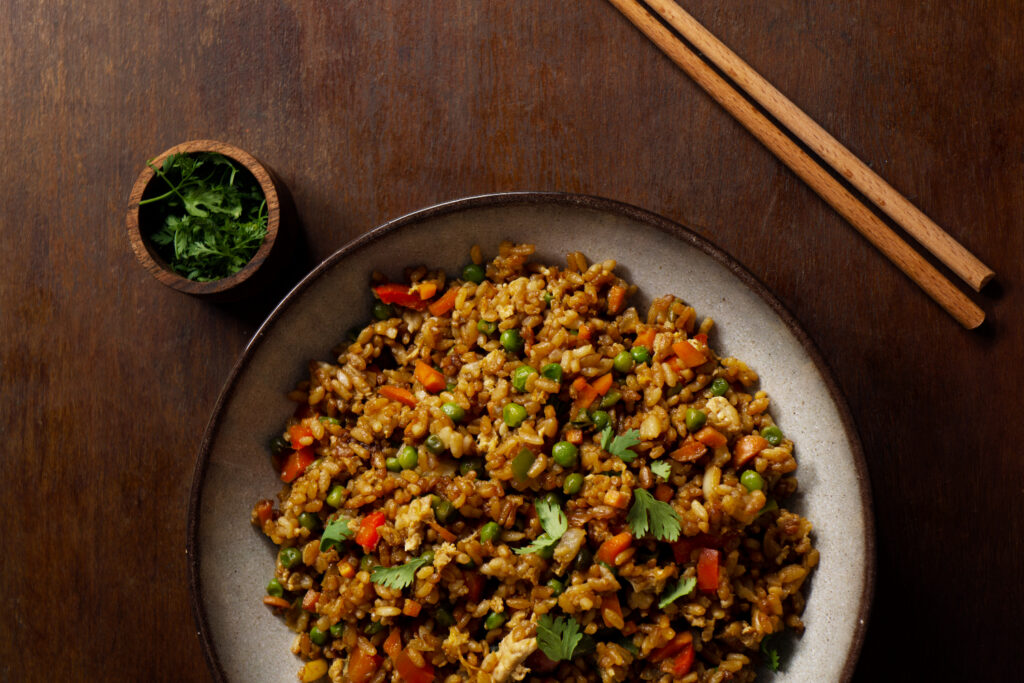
370, 110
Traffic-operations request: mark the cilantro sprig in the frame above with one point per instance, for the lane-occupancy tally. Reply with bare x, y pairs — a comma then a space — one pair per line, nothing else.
212, 218
661, 468
401, 576
620, 445
336, 531
558, 638
771, 653
649, 514
684, 587
554, 523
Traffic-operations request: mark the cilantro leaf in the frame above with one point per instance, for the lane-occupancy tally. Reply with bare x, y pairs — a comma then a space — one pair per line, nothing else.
661, 468
684, 587
620, 445
607, 434
336, 531
650, 514
772, 653
401, 576
558, 638
554, 523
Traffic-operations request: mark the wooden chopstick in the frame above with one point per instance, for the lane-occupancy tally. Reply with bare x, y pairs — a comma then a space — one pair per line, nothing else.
955, 302
913, 220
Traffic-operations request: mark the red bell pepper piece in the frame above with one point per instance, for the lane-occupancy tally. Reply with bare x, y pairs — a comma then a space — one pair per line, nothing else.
297, 433
296, 464
362, 666
367, 536
707, 570
684, 660
672, 647
403, 295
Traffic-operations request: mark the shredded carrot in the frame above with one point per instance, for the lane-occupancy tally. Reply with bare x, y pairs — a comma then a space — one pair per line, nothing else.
585, 393
602, 384
616, 297
431, 379
688, 354
400, 394
441, 531
411, 608
611, 611
709, 436
585, 332
445, 303
272, 601
610, 549
646, 338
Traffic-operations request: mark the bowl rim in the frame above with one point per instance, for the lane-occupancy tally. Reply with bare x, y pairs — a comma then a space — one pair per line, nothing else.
527, 198
152, 261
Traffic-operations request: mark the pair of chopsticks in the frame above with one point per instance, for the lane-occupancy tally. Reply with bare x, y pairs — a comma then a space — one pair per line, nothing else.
885, 197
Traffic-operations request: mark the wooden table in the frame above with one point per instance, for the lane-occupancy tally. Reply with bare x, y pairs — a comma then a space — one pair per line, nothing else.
370, 110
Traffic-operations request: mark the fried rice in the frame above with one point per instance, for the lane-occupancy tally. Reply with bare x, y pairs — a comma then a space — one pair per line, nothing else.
516, 475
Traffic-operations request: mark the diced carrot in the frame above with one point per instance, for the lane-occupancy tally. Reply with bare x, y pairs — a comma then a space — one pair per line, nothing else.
602, 384
411, 608
445, 303
616, 499
690, 451
709, 436
688, 354
431, 378
747, 447
616, 297
663, 492
585, 393
441, 531
296, 464
407, 670
393, 643
646, 338
264, 511
362, 666
574, 436
272, 601
400, 394
684, 547
395, 293
310, 599
426, 290
611, 611
611, 548
585, 332
707, 570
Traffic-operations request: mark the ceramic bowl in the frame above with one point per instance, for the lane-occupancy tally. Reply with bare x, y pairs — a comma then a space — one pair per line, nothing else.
230, 561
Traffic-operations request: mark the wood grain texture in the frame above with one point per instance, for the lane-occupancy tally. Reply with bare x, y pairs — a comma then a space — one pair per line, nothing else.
370, 110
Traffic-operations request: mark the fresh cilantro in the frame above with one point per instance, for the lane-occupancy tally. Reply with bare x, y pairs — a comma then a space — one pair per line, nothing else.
772, 653
650, 514
661, 468
212, 219
337, 530
684, 587
558, 638
620, 445
554, 523
401, 576
627, 644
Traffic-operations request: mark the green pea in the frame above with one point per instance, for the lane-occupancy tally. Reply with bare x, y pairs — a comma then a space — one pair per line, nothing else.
511, 340
719, 386
751, 480
275, 588
279, 445
573, 484
772, 435
289, 557
428, 557
565, 454
443, 510
474, 273
640, 354
327, 419
513, 414
600, 419
695, 419
623, 362
366, 563
552, 371
674, 390
454, 411
451, 386
548, 297
611, 398
556, 587
337, 629
520, 375
374, 628
489, 532
486, 327
473, 465
382, 311
407, 456
443, 617
393, 464
307, 520
522, 463
434, 444
335, 496
317, 636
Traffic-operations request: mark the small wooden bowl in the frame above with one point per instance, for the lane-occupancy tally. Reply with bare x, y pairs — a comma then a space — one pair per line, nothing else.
230, 287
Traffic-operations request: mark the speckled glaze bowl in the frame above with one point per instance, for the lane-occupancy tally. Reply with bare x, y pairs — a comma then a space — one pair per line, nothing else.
230, 561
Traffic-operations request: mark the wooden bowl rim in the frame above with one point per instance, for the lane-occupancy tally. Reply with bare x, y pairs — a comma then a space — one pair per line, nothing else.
156, 266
